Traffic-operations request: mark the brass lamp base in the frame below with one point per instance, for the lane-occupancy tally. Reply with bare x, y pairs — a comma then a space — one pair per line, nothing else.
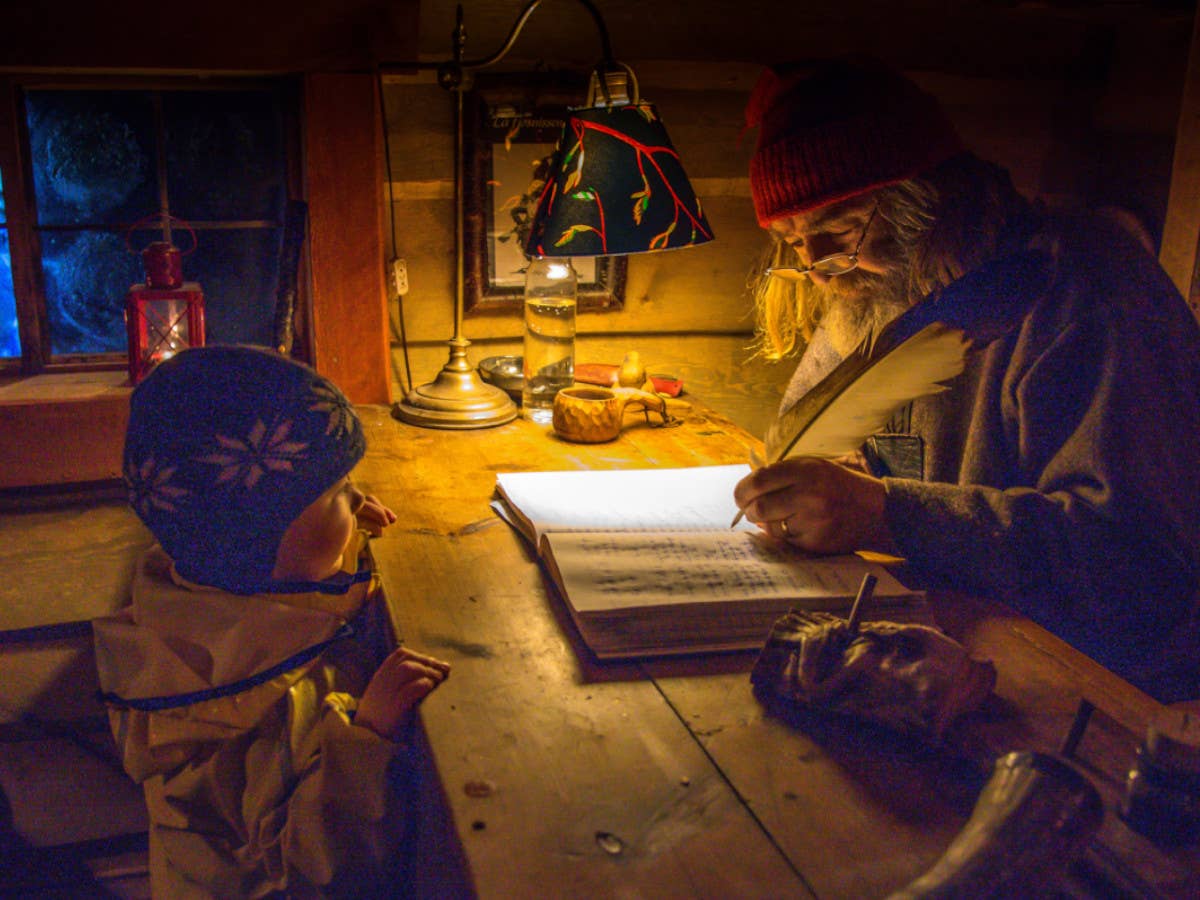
457, 398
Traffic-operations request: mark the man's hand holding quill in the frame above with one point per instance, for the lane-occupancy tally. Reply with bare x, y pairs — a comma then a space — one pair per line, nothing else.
816, 504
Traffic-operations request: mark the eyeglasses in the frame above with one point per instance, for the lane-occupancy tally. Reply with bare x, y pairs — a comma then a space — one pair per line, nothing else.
833, 265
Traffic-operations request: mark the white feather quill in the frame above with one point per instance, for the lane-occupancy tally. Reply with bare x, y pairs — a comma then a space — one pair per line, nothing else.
858, 397
913, 356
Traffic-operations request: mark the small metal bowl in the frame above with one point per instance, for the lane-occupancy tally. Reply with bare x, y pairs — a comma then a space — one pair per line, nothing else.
505, 372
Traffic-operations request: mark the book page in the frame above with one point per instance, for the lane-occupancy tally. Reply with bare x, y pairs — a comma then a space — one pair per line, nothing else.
694, 498
605, 572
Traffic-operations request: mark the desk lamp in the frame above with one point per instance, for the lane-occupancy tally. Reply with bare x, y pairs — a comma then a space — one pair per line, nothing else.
616, 187
616, 184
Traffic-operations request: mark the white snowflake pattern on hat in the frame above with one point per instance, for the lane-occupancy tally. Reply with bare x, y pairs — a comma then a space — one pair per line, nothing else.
331, 401
259, 453
150, 487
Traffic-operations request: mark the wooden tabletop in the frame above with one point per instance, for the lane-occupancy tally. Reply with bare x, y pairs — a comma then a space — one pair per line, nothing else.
566, 777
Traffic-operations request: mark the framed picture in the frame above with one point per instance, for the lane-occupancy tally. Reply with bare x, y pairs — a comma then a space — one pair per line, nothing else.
511, 124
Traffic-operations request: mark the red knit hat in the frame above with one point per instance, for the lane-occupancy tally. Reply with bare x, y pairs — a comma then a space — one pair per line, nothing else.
829, 130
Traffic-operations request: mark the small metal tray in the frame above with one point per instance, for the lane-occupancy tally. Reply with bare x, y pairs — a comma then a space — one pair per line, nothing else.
505, 372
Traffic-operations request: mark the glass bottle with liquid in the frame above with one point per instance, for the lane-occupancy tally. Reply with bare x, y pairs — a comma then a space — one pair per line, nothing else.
551, 287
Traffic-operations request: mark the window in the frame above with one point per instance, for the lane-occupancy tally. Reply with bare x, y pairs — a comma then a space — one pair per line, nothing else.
113, 168
10, 343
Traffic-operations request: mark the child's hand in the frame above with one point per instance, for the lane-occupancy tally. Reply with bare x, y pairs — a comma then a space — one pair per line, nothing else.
403, 680
374, 516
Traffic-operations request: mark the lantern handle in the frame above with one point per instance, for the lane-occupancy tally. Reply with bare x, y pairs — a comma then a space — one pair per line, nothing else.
165, 218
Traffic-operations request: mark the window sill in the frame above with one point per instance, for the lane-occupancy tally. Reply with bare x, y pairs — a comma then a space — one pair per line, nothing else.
62, 428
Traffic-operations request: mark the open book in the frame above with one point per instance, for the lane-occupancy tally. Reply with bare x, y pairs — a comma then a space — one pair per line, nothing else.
647, 565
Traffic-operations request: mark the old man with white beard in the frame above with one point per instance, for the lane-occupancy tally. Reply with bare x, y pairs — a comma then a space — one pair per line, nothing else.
1058, 473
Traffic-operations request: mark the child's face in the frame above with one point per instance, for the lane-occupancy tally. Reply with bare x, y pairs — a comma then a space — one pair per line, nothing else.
312, 547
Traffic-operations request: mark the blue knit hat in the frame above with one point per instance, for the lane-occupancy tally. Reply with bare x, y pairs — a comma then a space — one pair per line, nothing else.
225, 447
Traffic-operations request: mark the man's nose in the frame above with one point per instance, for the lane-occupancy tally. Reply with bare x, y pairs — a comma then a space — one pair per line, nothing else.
804, 258
803, 254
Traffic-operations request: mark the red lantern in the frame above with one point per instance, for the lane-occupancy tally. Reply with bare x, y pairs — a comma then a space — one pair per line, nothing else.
160, 323
166, 314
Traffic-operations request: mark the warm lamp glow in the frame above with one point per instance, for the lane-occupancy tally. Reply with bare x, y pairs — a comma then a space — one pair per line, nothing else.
557, 271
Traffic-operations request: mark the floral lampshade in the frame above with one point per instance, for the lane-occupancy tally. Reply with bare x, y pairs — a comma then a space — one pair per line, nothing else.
616, 186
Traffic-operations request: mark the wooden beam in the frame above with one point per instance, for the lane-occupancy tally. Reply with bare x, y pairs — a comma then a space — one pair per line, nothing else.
343, 144
214, 36
62, 429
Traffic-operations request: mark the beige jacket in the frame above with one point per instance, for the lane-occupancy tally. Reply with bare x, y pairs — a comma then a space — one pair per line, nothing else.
271, 788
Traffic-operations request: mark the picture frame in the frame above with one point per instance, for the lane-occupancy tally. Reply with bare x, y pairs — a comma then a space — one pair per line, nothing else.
511, 123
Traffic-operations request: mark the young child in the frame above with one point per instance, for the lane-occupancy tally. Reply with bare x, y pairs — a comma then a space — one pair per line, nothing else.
252, 686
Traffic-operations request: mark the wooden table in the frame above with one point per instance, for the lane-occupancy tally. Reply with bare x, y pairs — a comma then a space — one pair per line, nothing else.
569, 778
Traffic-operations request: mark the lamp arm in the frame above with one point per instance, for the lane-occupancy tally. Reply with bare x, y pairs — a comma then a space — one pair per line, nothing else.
519, 24
450, 72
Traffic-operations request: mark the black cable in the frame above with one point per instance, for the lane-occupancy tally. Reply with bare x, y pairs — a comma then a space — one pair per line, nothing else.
398, 325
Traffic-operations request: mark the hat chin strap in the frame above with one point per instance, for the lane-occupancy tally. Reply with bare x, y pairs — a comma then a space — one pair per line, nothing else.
339, 583
354, 568
336, 584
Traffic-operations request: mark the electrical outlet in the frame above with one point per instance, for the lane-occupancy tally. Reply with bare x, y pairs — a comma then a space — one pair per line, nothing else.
400, 276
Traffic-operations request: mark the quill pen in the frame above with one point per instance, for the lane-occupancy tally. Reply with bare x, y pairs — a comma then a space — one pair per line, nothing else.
913, 356
857, 398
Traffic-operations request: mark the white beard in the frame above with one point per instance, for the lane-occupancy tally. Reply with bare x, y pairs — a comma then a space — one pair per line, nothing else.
860, 303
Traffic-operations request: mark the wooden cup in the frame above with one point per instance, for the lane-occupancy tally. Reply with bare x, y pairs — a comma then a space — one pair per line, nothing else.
593, 415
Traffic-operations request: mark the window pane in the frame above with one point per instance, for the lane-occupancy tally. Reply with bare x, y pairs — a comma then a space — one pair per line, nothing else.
87, 275
225, 155
99, 159
93, 156
236, 271
10, 342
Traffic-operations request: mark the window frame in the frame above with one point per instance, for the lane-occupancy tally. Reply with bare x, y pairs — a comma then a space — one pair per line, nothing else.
33, 326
